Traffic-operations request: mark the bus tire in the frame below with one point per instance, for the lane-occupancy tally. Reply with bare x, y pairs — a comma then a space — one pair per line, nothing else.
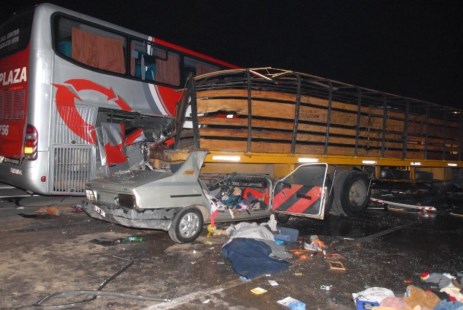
186, 226
351, 194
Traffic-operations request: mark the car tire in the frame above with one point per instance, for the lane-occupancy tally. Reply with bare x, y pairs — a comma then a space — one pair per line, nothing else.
351, 193
186, 226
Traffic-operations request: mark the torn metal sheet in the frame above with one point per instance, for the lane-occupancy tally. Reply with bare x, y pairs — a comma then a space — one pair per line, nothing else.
403, 205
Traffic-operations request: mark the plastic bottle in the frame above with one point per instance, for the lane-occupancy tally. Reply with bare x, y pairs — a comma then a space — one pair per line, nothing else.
131, 239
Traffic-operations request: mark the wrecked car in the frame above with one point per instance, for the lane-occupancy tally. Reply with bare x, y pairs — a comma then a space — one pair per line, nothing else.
181, 200
177, 200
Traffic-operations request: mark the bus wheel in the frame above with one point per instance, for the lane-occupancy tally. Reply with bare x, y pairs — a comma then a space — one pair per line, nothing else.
351, 194
186, 226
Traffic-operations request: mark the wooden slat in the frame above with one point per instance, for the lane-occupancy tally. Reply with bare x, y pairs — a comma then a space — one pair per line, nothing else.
277, 124
291, 98
277, 110
272, 125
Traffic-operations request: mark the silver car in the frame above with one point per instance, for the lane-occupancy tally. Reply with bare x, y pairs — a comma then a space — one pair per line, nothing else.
179, 200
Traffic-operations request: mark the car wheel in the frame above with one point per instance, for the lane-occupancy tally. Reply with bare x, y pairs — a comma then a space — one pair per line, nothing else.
186, 226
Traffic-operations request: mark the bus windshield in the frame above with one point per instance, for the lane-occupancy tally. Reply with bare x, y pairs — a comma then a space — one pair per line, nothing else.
15, 33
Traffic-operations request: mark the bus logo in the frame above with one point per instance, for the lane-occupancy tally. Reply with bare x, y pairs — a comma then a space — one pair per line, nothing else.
14, 76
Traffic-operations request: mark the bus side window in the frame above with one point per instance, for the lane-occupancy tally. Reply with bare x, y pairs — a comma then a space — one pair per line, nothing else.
196, 67
65, 47
154, 64
168, 69
149, 65
142, 64
135, 64
97, 49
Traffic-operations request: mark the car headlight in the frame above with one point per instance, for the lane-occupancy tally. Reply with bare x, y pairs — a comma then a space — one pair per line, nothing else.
126, 200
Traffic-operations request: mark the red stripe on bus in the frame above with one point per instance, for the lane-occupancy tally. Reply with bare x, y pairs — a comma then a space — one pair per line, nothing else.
196, 54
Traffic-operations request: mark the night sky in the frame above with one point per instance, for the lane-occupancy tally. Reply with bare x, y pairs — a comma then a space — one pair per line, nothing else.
409, 48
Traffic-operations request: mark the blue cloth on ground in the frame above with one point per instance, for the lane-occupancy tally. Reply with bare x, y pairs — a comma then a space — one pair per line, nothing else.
250, 258
447, 305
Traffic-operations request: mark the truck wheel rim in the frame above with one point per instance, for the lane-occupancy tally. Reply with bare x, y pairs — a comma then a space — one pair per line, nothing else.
189, 225
357, 193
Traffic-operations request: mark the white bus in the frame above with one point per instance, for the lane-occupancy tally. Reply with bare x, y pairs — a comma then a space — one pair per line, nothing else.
77, 93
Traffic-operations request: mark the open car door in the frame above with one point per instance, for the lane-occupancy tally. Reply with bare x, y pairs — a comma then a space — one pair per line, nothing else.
303, 192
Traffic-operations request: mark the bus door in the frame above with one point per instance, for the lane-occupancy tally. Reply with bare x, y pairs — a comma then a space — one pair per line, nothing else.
303, 192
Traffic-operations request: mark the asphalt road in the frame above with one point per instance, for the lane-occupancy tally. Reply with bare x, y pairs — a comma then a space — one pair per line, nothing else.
48, 247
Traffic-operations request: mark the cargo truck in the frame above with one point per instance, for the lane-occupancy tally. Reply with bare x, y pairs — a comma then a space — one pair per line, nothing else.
250, 142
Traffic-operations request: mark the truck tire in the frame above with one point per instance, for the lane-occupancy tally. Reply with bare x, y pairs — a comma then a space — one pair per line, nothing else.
282, 218
186, 226
351, 194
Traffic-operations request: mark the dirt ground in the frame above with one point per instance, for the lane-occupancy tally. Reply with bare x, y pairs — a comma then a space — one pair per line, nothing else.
61, 250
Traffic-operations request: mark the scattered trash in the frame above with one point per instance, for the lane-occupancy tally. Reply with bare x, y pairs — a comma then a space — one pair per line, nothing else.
43, 213
415, 296
365, 304
272, 223
206, 301
104, 241
77, 208
292, 303
273, 282
258, 290
441, 279
315, 245
287, 234
252, 251
36, 216
326, 287
449, 305
336, 265
210, 230
371, 297
20, 208
392, 303
404, 205
427, 215
130, 239
49, 210
298, 274
454, 293
334, 256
